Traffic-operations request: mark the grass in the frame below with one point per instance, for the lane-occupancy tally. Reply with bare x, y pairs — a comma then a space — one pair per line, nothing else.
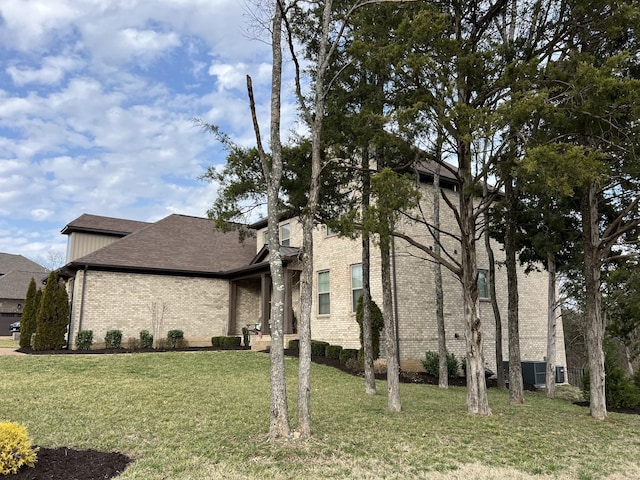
8, 342
205, 415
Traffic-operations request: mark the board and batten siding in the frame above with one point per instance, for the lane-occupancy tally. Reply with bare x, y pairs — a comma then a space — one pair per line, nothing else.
81, 244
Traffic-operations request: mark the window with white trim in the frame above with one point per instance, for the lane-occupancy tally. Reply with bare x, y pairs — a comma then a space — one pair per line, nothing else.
356, 284
483, 284
285, 235
324, 297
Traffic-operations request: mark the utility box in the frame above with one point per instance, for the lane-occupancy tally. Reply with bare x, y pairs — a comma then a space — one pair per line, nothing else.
535, 373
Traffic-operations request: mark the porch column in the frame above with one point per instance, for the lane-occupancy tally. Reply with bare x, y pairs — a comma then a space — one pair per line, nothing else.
265, 284
233, 307
288, 308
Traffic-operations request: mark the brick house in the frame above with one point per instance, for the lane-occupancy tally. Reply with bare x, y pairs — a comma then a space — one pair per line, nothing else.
16, 273
178, 273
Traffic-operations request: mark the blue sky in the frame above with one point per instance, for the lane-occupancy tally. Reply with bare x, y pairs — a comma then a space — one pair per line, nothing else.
97, 99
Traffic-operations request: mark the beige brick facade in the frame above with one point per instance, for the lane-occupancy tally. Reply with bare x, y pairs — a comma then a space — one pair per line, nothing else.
130, 302
415, 294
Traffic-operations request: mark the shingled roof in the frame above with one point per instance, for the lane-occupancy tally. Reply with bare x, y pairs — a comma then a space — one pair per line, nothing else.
14, 284
177, 244
9, 262
105, 225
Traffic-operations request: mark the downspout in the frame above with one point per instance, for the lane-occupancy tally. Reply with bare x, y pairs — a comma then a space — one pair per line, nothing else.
395, 296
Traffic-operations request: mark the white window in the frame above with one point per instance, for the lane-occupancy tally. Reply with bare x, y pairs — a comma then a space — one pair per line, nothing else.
324, 297
330, 231
356, 284
483, 284
285, 235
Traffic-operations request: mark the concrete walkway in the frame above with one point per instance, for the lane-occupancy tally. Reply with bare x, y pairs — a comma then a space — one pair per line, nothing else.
9, 351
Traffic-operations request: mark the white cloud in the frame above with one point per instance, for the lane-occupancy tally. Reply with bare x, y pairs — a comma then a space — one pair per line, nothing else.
53, 70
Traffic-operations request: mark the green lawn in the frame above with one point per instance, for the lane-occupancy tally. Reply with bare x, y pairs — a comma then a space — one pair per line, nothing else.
8, 342
205, 415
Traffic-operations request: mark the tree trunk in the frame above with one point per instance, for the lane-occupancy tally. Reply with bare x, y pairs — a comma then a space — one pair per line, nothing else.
551, 327
391, 346
367, 337
279, 423
443, 377
595, 326
477, 401
516, 387
492, 295
304, 328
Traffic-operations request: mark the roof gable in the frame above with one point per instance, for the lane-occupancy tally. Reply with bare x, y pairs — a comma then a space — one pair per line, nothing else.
106, 225
9, 262
15, 284
177, 243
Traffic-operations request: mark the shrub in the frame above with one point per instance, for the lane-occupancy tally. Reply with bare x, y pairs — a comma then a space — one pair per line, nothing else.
15, 448
346, 354
216, 341
84, 339
113, 339
175, 339
431, 364
230, 342
28, 320
146, 339
333, 351
294, 344
318, 348
32, 341
620, 390
133, 343
354, 365
245, 336
377, 324
52, 317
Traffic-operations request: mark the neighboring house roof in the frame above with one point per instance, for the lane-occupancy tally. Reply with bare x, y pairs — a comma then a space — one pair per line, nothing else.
15, 284
9, 262
177, 244
105, 225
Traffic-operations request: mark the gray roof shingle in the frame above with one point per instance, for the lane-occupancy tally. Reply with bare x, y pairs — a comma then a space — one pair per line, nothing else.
105, 225
9, 262
178, 244
14, 284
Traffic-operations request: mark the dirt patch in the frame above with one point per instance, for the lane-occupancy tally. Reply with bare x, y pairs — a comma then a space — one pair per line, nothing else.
69, 464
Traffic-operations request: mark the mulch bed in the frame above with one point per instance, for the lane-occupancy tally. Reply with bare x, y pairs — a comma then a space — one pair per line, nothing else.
69, 464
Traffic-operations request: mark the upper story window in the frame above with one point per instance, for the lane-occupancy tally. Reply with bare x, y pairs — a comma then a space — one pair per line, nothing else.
324, 297
483, 284
285, 235
356, 285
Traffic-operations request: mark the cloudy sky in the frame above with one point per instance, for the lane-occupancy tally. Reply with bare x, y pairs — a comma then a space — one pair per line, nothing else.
97, 99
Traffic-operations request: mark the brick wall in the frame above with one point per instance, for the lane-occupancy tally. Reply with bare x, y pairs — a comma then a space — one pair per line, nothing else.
130, 302
416, 293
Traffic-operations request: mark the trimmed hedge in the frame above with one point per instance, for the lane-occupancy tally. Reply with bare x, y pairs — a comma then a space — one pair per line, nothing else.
113, 339
333, 352
346, 354
175, 339
84, 339
318, 348
146, 339
294, 344
226, 341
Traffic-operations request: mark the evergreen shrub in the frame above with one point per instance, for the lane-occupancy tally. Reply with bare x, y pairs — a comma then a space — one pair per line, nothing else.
16, 450
84, 339
245, 336
346, 354
431, 364
377, 324
333, 352
620, 390
52, 317
113, 339
230, 342
318, 348
146, 339
175, 339
294, 344
29, 313
216, 341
